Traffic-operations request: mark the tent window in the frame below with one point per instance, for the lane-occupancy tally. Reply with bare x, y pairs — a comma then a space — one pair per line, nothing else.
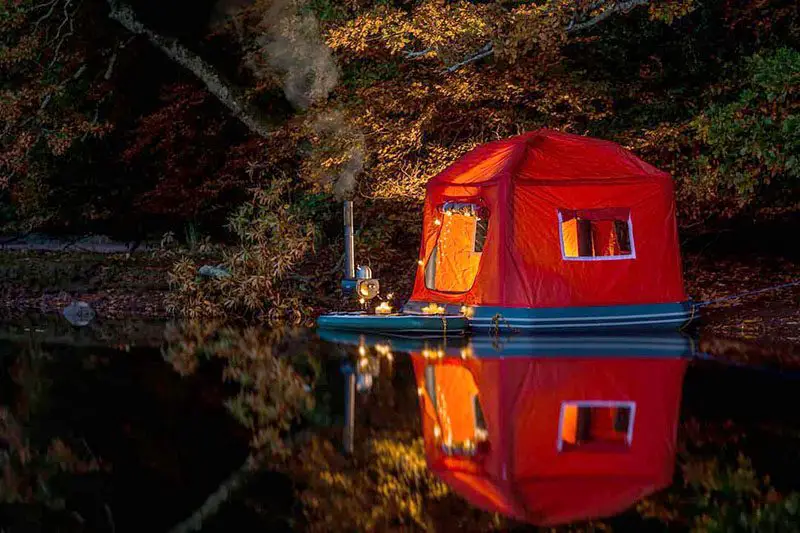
600, 426
453, 263
596, 235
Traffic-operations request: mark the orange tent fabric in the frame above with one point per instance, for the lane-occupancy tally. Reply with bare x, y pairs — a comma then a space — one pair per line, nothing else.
456, 262
534, 186
516, 467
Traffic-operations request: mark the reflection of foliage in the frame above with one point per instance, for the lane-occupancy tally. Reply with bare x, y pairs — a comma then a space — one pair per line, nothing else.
271, 395
30, 473
36, 467
726, 498
384, 485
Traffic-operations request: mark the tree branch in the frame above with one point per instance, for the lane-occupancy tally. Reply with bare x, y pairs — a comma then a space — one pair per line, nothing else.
487, 50
52, 5
618, 7
229, 95
61, 38
112, 62
417, 53
227, 488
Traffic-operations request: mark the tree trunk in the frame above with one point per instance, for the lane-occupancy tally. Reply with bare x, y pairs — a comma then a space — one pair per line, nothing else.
228, 94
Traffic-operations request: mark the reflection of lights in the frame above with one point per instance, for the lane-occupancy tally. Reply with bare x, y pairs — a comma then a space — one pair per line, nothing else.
364, 382
383, 309
433, 309
362, 301
467, 311
362, 351
466, 448
383, 349
437, 431
420, 391
466, 352
432, 354
420, 262
363, 362
437, 222
481, 434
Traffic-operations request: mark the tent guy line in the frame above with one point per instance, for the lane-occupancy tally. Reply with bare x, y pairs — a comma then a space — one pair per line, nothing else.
706, 303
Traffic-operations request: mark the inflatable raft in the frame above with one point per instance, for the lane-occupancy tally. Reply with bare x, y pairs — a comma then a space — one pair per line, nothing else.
396, 323
502, 321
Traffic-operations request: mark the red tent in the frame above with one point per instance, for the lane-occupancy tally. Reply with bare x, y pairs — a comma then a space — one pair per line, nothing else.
549, 220
551, 440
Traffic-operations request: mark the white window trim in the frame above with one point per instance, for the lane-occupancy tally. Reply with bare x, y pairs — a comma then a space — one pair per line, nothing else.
565, 257
595, 403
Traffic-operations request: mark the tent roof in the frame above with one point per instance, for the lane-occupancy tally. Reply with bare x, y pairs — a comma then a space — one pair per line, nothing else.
546, 156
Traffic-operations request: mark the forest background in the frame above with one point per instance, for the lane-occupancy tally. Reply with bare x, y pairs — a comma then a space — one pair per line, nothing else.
237, 126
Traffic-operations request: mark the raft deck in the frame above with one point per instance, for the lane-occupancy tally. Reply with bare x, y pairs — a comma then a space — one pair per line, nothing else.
395, 323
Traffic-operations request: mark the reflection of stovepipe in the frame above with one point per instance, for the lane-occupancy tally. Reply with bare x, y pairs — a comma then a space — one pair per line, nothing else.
366, 368
349, 407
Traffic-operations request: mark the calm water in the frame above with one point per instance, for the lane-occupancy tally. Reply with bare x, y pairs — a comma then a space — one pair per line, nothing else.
135, 427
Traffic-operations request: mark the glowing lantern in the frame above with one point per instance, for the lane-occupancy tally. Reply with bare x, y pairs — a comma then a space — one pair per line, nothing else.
433, 309
383, 309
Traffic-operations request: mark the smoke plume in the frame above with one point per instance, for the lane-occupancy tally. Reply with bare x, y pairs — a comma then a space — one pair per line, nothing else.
287, 47
338, 152
294, 47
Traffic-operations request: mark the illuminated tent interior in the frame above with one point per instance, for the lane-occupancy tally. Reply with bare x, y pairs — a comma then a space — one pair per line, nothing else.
550, 440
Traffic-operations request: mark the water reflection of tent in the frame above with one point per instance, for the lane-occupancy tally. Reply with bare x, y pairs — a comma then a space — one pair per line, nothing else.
551, 440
